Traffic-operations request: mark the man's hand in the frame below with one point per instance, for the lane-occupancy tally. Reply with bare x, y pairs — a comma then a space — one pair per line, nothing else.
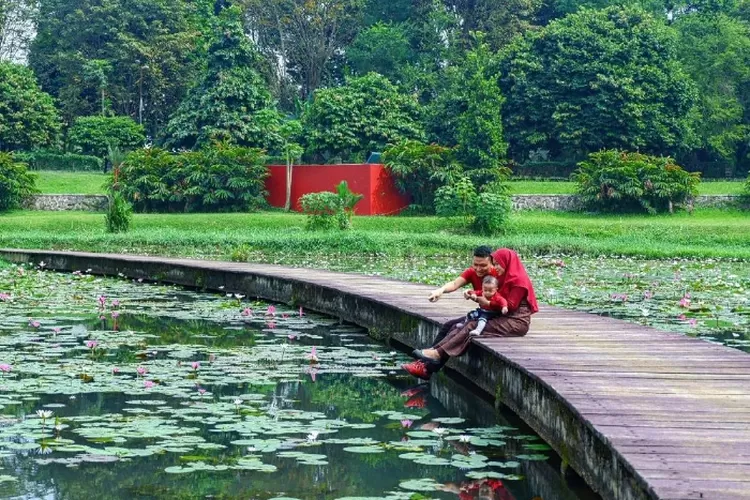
435, 296
469, 294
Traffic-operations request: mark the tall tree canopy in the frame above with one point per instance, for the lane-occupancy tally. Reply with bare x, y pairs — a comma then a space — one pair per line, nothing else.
715, 51
597, 79
231, 102
28, 118
144, 48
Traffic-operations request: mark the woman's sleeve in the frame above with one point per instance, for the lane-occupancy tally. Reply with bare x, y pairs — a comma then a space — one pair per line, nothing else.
515, 296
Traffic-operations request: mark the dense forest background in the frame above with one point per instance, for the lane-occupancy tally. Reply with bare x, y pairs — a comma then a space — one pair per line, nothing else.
524, 82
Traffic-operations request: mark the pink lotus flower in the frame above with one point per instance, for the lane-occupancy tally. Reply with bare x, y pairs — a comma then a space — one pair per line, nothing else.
57, 330
685, 302
115, 370
301, 312
291, 337
91, 344
313, 356
115, 314
313, 373
271, 325
34, 323
682, 317
195, 365
115, 303
406, 424
102, 300
247, 312
271, 311
4, 297
285, 315
148, 384
648, 294
5, 368
693, 322
201, 391
141, 371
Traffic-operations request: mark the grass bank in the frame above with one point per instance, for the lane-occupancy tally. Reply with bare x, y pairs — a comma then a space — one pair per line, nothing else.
274, 235
54, 182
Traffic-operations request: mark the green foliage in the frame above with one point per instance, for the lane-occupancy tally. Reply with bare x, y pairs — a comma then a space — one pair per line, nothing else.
364, 115
621, 181
492, 213
457, 199
597, 79
382, 48
232, 101
16, 182
119, 214
419, 170
328, 210
467, 115
220, 178
715, 51
88, 53
28, 118
94, 135
44, 159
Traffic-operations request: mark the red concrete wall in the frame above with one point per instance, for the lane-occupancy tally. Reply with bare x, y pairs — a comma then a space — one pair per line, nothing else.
372, 180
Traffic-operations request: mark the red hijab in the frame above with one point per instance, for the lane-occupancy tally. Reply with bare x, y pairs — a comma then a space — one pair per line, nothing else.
514, 276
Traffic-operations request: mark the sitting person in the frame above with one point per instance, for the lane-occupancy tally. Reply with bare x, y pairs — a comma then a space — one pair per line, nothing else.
515, 286
498, 304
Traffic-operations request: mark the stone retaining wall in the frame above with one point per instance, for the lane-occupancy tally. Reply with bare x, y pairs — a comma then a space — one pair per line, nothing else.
58, 202
553, 202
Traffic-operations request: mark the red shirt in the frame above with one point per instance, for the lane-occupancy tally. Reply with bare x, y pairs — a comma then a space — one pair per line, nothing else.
473, 278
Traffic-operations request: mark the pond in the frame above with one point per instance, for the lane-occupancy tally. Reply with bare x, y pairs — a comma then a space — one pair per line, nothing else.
111, 388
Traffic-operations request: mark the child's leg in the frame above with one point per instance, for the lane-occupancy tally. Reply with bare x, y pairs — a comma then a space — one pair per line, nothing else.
481, 323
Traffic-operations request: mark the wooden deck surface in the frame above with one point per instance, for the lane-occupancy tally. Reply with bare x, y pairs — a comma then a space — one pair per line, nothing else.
677, 409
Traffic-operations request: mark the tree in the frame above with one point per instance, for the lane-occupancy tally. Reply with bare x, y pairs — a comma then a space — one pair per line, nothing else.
145, 51
98, 135
382, 48
715, 51
364, 115
17, 18
594, 80
303, 36
500, 21
231, 102
467, 113
28, 118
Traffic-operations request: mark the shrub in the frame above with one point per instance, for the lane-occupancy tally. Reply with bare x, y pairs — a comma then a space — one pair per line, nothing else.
613, 180
220, 178
486, 212
327, 210
59, 160
492, 213
16, 182
419, 170
119, 214
94, 135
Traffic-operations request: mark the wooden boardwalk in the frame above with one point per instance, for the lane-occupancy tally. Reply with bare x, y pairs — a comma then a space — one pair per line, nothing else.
674, 410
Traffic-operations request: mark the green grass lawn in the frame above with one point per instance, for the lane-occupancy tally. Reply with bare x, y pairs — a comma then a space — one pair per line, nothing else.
55, 182
272, 236
562, 187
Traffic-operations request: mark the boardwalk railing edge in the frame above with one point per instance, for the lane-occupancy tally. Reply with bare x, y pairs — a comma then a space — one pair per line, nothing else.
581, 446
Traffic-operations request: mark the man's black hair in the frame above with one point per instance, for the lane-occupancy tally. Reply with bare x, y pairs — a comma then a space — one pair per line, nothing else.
483, 252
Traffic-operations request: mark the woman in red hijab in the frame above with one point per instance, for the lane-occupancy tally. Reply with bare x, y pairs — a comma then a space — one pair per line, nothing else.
515, 286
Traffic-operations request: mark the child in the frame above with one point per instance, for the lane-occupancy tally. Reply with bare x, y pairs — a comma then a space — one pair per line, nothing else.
498, 304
